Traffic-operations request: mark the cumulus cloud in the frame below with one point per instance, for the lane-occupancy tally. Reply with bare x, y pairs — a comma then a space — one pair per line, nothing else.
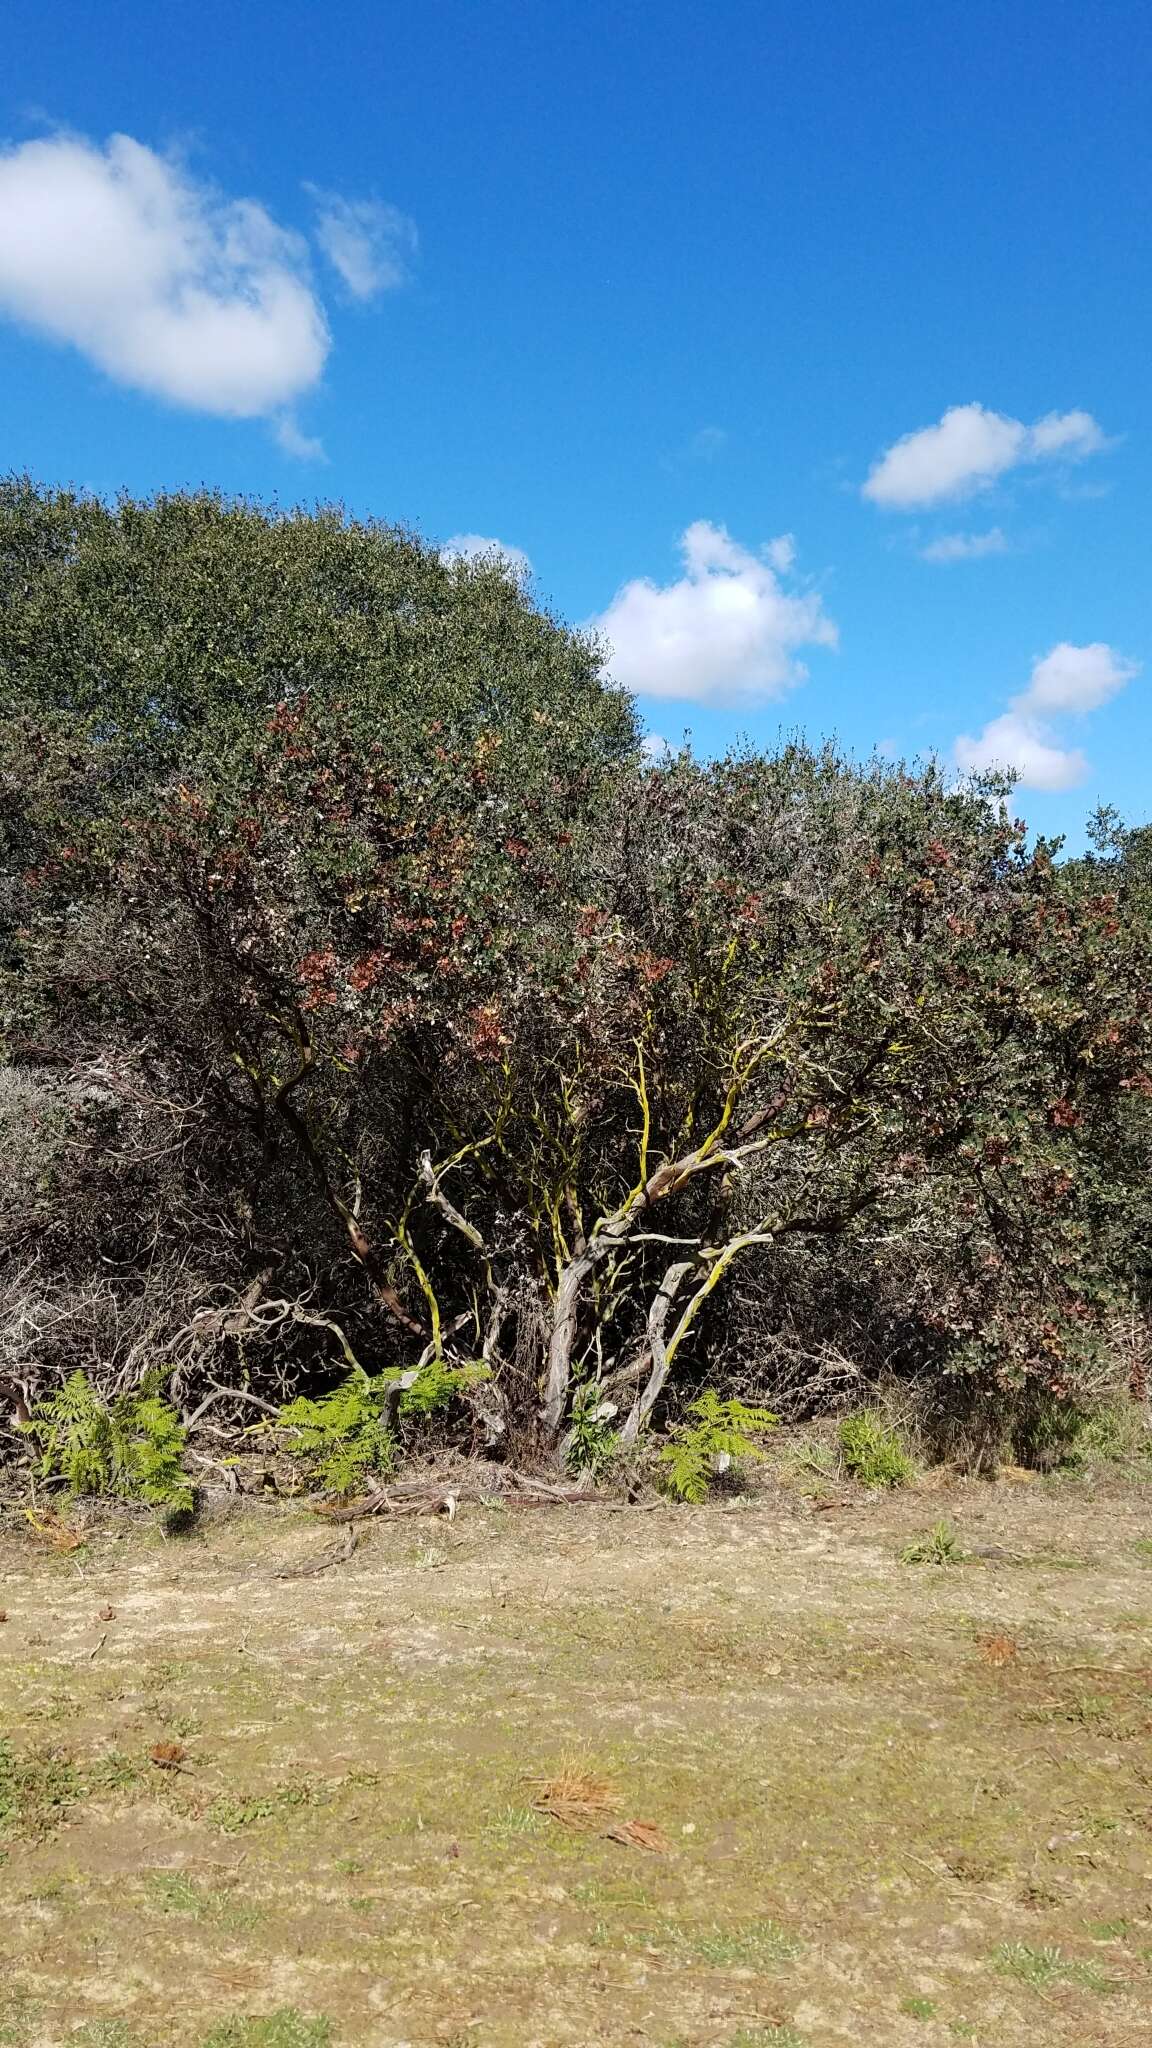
369, 244
965, 547
1068, 681
1078, 678
161, 282
1020, 742
968, 449
728, 630
477, 547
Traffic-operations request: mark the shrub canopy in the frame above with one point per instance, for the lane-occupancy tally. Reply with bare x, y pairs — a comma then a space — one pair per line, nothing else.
365, 988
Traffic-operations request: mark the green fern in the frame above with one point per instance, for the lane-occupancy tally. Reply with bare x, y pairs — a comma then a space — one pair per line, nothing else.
130, 1448
438, 1384
721, 1430
342, 1436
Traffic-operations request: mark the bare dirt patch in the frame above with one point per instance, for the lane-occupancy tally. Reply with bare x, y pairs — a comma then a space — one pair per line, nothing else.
840, 1798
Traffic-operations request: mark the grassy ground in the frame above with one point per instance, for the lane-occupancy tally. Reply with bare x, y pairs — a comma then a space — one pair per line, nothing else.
904, 1803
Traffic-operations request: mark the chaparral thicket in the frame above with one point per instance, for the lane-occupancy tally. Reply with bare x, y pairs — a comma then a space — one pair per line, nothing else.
375, 1012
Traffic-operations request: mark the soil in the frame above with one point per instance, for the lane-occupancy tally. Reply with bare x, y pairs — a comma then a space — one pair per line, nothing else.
900, 1803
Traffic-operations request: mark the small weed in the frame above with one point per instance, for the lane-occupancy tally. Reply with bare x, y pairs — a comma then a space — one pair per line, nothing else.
115, 1772
1039, 1967
515, 1820
1109, 1930
758, 1945
233, 1815
873, 1453
105, 2034
1143, 1549
767, 2037
174, 1892
592, 1441
616, 1892
286, 2029
919, 2008
941, 1545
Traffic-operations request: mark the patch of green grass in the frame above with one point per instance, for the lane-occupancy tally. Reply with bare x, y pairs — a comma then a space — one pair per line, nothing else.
172, 1891
18, 2017
1039, 1967
1143, 1549
115, 1771
872, 1452
106, 2034
919, 2008
940, 1545
515, 1820
757, 1945
1115, 1433
285, 2029
767, 2037
36, 1790
1109, 1930
232, 1814
751, 1945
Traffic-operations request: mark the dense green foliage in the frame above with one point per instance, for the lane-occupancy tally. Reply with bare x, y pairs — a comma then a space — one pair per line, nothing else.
129, 1448
342, 1436
370, 1002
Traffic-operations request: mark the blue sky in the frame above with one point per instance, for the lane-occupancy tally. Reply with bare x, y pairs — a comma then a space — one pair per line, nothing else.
640, 290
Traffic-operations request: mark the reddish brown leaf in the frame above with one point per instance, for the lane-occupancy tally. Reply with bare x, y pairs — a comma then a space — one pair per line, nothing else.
640, 1834
998, 1649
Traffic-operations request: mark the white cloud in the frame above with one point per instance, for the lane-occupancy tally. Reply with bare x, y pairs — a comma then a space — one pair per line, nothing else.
966, 547
370, 245
294, 441
1074, 434
1022, 744
655, 748
1068, 680
726, 630
476, 547
1078, 678
163, 283
968, 449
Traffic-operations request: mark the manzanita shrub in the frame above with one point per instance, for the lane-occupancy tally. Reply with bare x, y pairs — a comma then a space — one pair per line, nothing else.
369, 998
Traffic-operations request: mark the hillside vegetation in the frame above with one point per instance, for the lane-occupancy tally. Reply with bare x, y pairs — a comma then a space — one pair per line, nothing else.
385, 1033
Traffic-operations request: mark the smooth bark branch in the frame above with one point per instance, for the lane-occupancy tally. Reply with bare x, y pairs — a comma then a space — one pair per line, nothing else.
608, 1237
431, 1178
658, 1315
